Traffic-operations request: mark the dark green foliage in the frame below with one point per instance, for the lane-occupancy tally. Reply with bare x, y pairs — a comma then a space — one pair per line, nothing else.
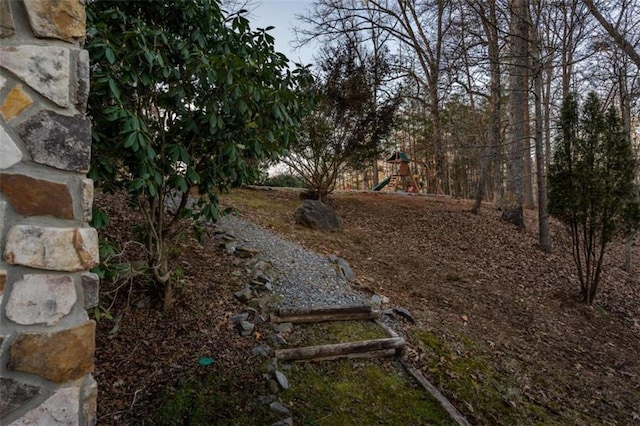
350, 119
591, 185
184, 96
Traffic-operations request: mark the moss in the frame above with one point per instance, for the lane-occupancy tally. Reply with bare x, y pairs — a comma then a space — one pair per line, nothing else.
211, 399
334, 332
485, 392
359, 393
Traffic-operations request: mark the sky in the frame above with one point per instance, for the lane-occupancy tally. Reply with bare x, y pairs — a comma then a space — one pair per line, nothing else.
281, 15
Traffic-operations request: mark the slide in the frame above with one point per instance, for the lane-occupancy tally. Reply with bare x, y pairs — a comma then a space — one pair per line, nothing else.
382, 184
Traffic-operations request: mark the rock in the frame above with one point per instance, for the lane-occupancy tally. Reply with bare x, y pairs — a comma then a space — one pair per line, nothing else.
263, 266
58, 140
10, 154
260, 319
62, 408
284, 327
266, 399
273, 386
236, 273
90, 401
230, 247
282, 380
332, 258
7, 28
90, 290
61, 19
224, 237
284, 422
276, 340
272, 365
404, 313
87, 199
276, 407
14, 394
244, 252
259, 303
41, 299
36, 197
378, 299
260, 277
57, 249
16, 102
82, 84
237, 318
346, 270
262, 351
44, 68
59, 356
315, 214
3, 282
244, 295
246, 328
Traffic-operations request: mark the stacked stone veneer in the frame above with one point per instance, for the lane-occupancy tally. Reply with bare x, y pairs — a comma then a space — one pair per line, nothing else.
47, 341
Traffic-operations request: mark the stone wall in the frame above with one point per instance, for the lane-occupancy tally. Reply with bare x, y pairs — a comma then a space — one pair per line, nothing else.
46, 338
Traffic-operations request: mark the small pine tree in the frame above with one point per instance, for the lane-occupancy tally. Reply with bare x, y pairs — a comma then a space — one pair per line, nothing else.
591, 185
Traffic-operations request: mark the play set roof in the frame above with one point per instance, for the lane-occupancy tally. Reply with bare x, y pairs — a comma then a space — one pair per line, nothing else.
398, 157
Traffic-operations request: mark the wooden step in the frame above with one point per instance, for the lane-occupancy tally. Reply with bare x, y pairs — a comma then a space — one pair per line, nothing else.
363, 349
325, 313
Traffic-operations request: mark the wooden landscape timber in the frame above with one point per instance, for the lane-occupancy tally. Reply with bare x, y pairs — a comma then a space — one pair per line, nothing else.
325, 313
363, 349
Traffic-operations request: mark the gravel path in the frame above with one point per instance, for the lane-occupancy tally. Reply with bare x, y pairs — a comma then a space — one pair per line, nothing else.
304, 279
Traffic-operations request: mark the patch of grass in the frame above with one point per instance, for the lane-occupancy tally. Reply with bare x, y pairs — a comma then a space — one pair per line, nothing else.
211, 399
358, 393
331, 332
484, 391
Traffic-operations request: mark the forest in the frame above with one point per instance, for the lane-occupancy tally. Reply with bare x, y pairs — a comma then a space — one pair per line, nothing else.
480, 84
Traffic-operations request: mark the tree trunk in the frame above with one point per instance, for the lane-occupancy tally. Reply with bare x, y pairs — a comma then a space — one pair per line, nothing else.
544, 234
513, 211
494, 131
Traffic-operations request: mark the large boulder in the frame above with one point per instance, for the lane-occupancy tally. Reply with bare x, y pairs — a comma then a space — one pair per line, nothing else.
315, 214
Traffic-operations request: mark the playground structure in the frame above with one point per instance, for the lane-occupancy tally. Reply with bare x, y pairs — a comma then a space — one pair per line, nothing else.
401, 178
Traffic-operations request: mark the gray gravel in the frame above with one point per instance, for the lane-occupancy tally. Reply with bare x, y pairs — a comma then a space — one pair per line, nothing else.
304, 279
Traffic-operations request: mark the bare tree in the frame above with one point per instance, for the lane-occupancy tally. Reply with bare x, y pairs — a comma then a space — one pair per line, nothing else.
519, 39
624, 44
416, 26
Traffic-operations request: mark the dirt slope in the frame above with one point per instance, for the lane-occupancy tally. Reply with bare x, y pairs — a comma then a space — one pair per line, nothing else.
503, 317
499, 328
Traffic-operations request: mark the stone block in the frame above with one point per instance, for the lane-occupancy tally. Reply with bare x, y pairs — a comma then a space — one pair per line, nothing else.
33, 197
59, 356
3, 208
58, 140
16, 102
90, 290
89, 400
41, 299
61, 19
7, 27
82, 82
60, 409
87, 199
10, 154
14, 394
57, 249
3, 281
43, 68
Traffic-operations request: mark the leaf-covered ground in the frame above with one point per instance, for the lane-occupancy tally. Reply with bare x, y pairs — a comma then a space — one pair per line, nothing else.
500, 329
